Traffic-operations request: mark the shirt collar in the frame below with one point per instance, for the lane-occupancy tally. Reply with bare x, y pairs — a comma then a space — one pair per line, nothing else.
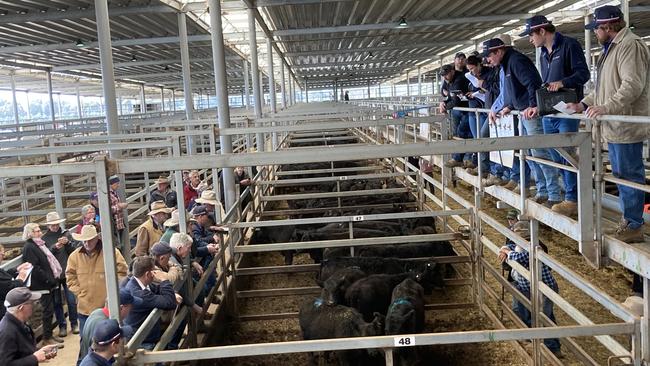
142, 286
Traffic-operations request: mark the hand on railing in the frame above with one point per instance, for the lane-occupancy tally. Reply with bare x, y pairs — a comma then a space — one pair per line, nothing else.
530, 112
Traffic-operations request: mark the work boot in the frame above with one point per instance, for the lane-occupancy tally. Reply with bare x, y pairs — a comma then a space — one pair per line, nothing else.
511, 184
551, 203
540, 199
566, 208
57, 339
451, 163
557, 353
628, 235
492, 180
63, 331
75, 328
468, 164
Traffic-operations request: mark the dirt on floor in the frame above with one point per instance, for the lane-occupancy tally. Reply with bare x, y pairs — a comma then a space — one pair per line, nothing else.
612, 280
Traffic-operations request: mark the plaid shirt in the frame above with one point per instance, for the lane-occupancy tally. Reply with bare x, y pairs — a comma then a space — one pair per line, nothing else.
118, 215
523, 258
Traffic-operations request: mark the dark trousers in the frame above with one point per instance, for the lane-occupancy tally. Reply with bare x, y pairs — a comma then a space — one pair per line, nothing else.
47, 306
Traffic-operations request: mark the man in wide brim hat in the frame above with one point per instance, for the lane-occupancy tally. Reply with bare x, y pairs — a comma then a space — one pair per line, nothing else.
151, 230
53, 218
164, 192
88, 232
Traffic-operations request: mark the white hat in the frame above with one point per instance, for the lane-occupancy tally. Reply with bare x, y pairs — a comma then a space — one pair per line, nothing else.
174, 219
162, 180
87, 232
209, 197
159, 206
53, 218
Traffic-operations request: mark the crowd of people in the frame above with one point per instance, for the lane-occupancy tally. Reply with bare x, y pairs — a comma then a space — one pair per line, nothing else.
63, 271
503, 80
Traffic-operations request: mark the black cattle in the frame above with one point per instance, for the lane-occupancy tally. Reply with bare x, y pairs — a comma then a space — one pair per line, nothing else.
372, 294
334, 288
319, 321
406, 316
276, 234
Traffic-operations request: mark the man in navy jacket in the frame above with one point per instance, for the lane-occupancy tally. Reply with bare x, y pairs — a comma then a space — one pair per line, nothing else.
563, 65
521, 82
154, 296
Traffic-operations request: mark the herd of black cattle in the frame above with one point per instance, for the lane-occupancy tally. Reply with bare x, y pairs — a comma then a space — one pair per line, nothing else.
378, 291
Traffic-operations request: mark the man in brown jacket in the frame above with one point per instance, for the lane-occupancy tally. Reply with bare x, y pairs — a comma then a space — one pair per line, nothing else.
622, 89
85, 272
150, 232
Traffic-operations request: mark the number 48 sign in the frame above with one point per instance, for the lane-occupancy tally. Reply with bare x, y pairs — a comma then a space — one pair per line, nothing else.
405, 341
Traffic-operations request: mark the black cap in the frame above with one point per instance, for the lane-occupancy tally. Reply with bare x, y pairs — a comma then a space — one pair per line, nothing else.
492, 45
19, 296
446, 69
199, 210
460, 54
533, 23
605, 14
107, 331
160, 248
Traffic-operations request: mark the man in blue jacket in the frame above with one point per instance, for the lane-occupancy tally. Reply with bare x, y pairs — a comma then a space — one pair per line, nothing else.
563, 65
521, 83
154, 296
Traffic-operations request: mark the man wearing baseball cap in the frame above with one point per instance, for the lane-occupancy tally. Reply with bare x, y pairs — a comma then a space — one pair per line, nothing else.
563, 65
17, 343
127, 302
106, 343
622, 89
454, 88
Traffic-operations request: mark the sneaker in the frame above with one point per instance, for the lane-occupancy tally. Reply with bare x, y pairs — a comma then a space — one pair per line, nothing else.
51, 342
492, 180
468, 164
511, 184
75, 329
63, 332
566, 208
451, 163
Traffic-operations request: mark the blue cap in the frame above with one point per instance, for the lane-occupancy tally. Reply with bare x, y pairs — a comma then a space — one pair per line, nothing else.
605, 14
127, 299
533, 23
199, 210
107, 331
492, 45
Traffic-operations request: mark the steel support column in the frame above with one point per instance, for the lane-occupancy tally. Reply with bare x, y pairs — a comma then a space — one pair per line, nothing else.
306, 92
408, 84
625, 9
257, 91
143, 100
272, 95
119, 103
247, 98
108, 75
187, 81
50, 98
368, 89
174, 100
419, 81
79, 106
282, 85
221, 85
14, 102
162, 98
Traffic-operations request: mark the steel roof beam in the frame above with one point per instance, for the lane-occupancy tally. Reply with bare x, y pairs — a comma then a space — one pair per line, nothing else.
379, 49
138, 63
269, 3
87, 13
395, 25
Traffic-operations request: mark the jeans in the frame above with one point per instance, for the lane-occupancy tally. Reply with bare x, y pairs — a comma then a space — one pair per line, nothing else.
563, 125
627, 163
523, 313
58, 306
82, 321
546, 176
460, 128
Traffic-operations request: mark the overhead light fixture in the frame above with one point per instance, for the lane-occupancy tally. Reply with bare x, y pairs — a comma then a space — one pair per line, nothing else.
80, 43
166, 68
383, 41
632, 26
4, 12
133, 58
402, 23
22, 12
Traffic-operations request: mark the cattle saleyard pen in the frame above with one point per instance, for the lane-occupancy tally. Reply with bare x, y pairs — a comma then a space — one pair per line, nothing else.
379, 148
338, 211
